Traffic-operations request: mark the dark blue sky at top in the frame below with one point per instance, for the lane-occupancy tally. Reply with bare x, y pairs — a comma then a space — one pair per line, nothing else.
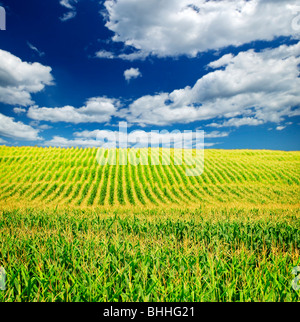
70, 48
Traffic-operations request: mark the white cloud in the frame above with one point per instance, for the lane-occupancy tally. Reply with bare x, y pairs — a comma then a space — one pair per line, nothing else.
261, 86
223, 61
19, 79
19, 110
280, 128
141, 139
96, 110
136, 139
68, 15
40, 53
44, 127
133, 56
2, 141
132, 73
216, 134
251, 88
17, 130
208, 145
237, 122
39, 126
176, 27
105, 54
60, 141
69, 4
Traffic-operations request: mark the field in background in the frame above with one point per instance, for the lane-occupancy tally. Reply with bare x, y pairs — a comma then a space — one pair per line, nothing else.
53, 177
72, 230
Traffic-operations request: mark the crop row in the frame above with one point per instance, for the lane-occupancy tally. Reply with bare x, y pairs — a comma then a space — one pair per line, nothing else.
91, 177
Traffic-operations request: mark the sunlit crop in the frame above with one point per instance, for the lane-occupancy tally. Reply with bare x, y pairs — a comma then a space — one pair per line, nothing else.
74, 230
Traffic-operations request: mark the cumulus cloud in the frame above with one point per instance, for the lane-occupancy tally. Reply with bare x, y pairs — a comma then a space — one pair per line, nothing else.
42, 127
17, 130
132, 73
154, 138
105, 54
19, 110
187, 27
59, 141
136, 139
96, 110
223, 61
261, 86
251, 88
18, 79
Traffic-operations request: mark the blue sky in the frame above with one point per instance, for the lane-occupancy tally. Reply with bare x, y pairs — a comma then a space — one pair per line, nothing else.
71, 70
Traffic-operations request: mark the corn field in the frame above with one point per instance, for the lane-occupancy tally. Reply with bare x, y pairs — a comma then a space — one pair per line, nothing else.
74, 230
74, 177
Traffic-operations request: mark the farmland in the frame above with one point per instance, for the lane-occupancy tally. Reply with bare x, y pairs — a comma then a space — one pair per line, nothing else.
72, 229
74, 178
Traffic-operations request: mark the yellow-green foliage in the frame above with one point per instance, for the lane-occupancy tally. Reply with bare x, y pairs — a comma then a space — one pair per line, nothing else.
72, 177
72, 230
150, 255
